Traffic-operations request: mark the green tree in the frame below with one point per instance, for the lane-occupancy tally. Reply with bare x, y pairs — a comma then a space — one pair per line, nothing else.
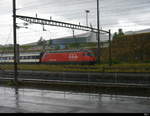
49, 42
57, 47
119, 34
115, 35
74, 45
42, 42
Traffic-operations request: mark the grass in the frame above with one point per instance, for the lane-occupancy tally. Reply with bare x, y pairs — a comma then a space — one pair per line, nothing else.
141, 67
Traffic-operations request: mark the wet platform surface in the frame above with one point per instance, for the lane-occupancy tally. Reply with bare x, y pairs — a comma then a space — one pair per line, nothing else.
14, 100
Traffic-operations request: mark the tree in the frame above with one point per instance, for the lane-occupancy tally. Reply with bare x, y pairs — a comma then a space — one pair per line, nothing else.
74, 45
115, 35
50, 42
42, 42
119, 34
57, 47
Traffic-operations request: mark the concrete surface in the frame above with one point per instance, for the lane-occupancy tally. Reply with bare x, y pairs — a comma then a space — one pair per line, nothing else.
14, 100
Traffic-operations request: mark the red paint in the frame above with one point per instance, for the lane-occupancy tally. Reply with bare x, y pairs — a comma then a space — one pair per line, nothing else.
69, 57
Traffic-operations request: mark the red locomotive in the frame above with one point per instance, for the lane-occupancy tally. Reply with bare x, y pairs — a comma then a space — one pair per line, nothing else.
69, 56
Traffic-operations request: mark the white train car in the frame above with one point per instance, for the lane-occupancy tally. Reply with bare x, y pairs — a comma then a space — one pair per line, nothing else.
7, 58
23, 58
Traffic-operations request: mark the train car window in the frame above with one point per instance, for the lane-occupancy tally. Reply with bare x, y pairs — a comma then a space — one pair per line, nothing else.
32, 57
36, 57
29, 57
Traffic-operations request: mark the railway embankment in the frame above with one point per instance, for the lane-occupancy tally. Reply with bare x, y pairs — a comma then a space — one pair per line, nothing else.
137, 84
82, 77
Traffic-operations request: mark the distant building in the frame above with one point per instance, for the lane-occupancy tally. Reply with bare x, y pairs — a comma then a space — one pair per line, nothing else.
89, 37
137, 32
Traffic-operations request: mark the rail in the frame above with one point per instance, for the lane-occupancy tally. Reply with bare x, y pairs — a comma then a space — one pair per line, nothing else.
126, 69
112, 69
80, 77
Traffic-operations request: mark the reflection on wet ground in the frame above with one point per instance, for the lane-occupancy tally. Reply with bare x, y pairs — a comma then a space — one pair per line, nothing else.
14, 100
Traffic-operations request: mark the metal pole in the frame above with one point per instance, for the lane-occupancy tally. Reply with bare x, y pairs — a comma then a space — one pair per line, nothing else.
98, 34
110, 55
87, 11
75, 39
15, 42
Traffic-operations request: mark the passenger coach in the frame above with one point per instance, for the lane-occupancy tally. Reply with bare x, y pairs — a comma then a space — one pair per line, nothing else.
23, 58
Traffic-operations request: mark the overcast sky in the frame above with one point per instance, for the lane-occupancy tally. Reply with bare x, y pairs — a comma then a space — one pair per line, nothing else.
130, 15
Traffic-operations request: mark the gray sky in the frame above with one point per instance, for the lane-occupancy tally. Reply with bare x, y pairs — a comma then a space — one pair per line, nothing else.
130, 15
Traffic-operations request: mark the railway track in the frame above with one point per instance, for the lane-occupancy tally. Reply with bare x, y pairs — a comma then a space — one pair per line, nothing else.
78, 77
